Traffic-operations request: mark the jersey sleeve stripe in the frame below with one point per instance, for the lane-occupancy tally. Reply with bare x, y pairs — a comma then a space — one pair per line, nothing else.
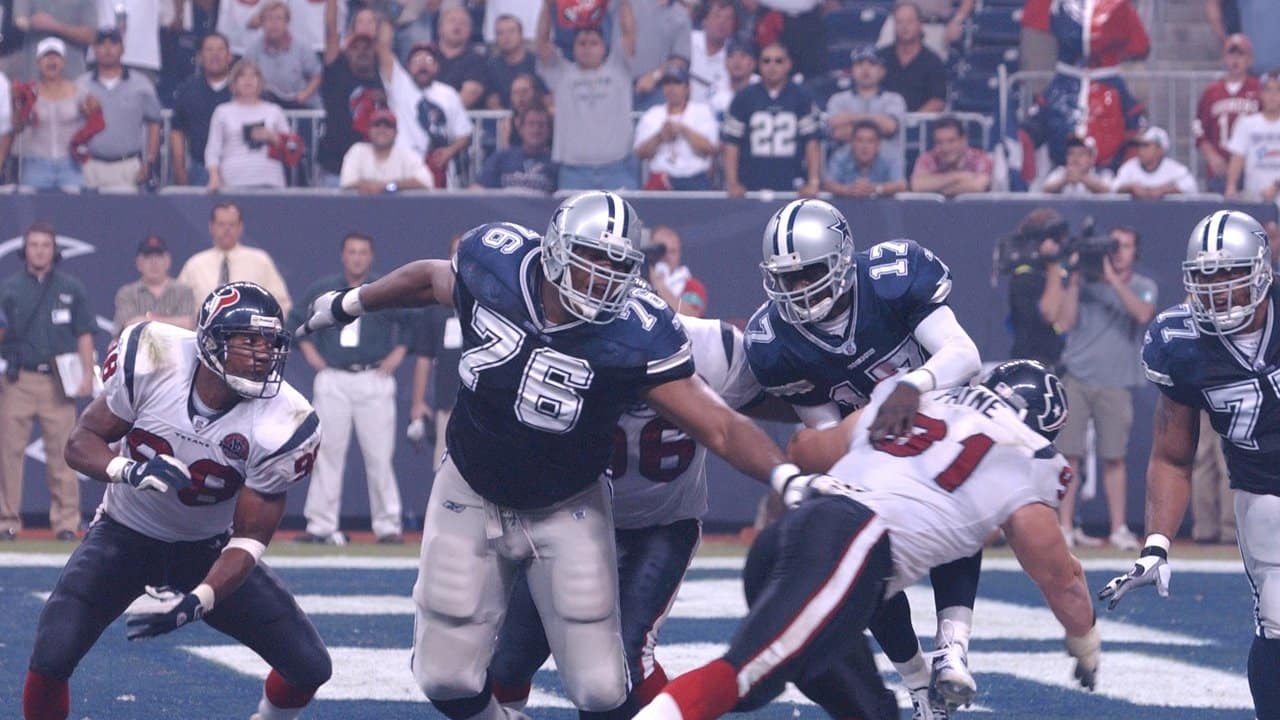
727, 340
131, 357
679, 357
304, 431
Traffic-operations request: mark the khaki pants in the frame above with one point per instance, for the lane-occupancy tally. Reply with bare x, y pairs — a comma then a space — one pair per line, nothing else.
118, 176
1212, 508
37, 396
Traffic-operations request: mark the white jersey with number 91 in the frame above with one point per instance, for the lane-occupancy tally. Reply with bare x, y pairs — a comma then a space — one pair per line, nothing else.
969, 464
658, 471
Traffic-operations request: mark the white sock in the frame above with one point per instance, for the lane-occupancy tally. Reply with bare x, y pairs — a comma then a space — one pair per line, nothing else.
267, 711
663, 707
954, 625
915, 672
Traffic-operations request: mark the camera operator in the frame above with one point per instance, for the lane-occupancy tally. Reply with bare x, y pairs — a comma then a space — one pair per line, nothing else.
1104, 311
1030, 257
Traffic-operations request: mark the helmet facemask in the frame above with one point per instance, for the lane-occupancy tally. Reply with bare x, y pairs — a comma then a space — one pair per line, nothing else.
816, 293
1202, 290
607, 271
265, 360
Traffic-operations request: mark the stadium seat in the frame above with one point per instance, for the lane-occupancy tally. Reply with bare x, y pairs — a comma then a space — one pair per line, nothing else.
975, 92
838, 56
997, 27
855, 25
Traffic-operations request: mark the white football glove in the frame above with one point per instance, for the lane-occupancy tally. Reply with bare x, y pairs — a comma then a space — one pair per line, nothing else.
1087, 650
336, 307
1152, 568
795, 487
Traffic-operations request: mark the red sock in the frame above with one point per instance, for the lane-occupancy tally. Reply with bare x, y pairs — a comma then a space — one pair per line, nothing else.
507, 695
44, 698
283, 695
649, 688
705, 693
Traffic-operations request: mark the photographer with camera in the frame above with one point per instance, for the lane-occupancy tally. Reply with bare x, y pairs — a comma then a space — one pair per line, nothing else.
1030, 256
1104, 310
673, 281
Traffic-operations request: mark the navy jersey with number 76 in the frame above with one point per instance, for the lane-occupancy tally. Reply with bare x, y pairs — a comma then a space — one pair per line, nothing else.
535, 415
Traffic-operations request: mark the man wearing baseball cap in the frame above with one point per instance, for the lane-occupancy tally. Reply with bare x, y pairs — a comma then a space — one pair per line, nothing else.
118, 159
382, 165
679, 138
1151, 175
155, 295
868, 100
1225, 101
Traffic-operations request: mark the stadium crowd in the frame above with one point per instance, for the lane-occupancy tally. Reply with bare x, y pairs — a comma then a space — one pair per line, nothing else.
860, 98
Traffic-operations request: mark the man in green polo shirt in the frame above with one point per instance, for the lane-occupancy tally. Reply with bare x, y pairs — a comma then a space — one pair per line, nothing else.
49, 315
355, 386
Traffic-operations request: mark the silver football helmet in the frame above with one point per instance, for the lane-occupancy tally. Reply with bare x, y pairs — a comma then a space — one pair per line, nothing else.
597, 233
808, 260
1220, 247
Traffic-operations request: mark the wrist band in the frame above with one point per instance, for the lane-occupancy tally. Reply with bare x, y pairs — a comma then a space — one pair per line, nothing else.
117, 467
249, 545
351, 304
205, 593
1158, 540
781, 476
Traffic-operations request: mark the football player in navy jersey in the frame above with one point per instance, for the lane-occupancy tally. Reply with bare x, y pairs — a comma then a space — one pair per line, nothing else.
558, 341
837, 323
212, 439
1220, 353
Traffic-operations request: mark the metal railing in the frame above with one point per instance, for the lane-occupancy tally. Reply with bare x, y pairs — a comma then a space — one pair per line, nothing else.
1170, 98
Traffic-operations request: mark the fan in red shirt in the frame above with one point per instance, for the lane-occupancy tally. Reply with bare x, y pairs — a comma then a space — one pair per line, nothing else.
1224, 101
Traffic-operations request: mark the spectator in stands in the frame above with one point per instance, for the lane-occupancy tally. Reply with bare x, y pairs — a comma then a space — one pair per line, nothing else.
6, 124
740, 63
49, 316
139, 24
355, 389
239, 22
1222, 103
245, 135
45, 132
867, 100
679, 138
859, 169
912, 70
193, 106
382, 165
118, 157
229, 260
797, 25
951, 167
1258, 20
72, 21
155, 295
432, 119
1079, 176
1254, 168
528, 165
662, 32
526, 92
1104, 312
290, 70
592, 140
509, 59
1150, 175
672, 279
770, 136
524, 11
438, 345
350, 83
941, 24
708, 56
462, 64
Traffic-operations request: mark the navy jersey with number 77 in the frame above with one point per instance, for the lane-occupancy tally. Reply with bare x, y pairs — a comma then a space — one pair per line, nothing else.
1241, 393
535, 415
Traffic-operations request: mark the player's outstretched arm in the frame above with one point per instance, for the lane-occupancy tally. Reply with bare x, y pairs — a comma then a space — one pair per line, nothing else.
691, 405
416, 284
1036, 540
817, 450
1173, 452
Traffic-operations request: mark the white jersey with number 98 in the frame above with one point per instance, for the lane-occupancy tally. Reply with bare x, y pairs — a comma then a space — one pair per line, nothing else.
658, 471
969, 464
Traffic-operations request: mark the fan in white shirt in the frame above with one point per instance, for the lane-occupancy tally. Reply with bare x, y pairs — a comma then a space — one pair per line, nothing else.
433, 121
1151, 175
381, 165
678, 138
1254, 168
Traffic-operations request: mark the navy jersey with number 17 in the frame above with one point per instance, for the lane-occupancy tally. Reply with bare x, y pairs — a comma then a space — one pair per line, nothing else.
899, 284
1240, 393
535, 415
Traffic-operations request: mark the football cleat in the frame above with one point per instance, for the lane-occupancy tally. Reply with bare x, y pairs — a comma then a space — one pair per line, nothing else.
925, 706
952, 682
